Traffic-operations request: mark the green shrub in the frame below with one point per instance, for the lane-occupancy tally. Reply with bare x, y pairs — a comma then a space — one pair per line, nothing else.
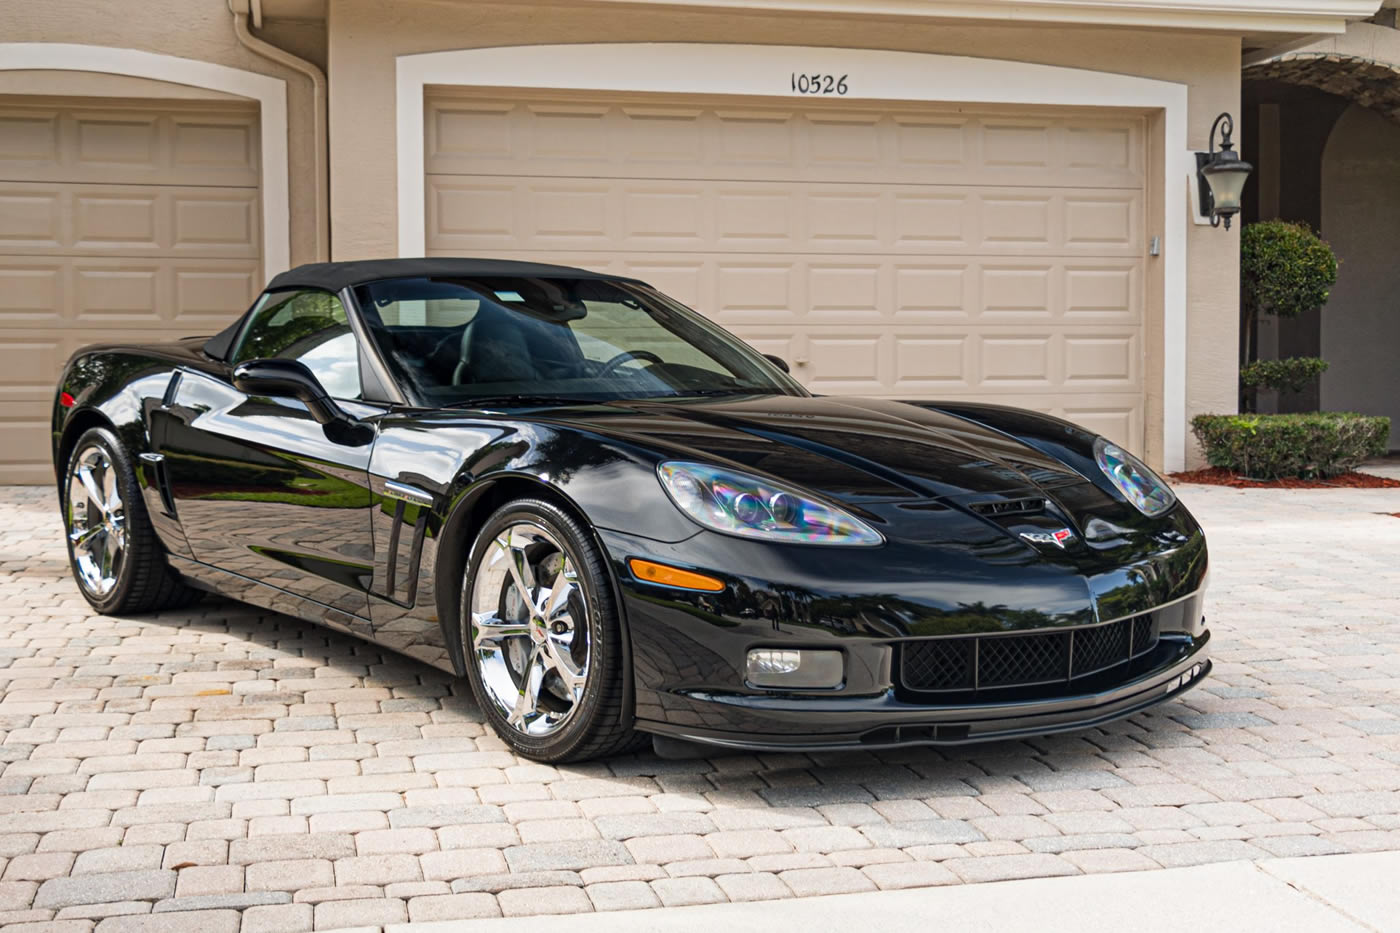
1307, 445
1292, 375
1285, 269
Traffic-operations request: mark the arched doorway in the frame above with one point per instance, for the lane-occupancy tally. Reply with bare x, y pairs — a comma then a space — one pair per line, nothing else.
1360, 327
1322, 126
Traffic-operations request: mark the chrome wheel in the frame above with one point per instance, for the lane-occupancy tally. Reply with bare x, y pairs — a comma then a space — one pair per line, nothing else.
529, 630
96, 520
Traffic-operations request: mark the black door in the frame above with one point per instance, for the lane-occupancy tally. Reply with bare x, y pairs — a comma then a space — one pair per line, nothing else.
260, 488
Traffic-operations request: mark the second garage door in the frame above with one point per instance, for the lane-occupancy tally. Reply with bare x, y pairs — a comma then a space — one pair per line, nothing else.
904, 252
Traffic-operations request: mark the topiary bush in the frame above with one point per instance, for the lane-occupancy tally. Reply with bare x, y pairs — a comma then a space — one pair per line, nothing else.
1306, 445
1291, 375
1285, 269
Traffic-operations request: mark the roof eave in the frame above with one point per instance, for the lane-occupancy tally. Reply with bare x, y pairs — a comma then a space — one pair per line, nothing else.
1239, 17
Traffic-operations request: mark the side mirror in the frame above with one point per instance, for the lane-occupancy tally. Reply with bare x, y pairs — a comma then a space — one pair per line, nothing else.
291, 379
779, 362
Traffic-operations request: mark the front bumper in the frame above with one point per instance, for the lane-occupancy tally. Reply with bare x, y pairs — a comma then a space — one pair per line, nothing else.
687, 649
782, 724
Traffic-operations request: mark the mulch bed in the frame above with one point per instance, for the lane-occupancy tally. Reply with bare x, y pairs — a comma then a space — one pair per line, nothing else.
1218, 476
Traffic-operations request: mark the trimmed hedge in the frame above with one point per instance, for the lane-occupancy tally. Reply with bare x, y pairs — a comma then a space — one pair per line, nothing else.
1306, 445
1293, 374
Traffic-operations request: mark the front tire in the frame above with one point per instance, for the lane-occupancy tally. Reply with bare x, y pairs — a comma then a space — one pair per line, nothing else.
542, 637
116, 558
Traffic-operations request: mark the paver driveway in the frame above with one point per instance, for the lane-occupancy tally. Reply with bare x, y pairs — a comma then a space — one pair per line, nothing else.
275, 775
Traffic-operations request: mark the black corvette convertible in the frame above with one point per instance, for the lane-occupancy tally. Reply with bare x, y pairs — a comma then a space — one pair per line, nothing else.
617, 520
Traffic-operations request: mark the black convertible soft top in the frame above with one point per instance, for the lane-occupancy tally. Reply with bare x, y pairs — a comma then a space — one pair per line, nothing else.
333, 276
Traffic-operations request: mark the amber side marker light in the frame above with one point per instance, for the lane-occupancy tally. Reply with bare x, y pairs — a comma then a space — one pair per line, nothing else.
649, 572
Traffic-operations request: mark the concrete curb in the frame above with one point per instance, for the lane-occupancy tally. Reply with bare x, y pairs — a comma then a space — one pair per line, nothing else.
1312, 895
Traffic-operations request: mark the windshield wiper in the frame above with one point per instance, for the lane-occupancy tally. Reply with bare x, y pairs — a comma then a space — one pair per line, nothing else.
521, 401
714, 393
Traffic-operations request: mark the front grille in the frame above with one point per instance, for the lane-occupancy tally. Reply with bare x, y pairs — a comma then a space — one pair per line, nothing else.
991, 662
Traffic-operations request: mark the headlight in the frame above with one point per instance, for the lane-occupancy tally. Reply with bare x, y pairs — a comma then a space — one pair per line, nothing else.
1134, 479
740, 504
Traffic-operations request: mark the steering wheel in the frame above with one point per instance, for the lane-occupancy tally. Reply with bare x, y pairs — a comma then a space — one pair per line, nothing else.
624, 357
447, 347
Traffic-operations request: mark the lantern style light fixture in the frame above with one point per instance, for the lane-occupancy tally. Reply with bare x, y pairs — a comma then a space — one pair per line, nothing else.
1221, 174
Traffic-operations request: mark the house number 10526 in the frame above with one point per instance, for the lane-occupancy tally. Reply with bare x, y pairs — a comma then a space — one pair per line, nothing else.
819, 84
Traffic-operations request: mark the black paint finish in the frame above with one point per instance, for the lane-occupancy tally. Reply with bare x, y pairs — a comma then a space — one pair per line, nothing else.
366, 531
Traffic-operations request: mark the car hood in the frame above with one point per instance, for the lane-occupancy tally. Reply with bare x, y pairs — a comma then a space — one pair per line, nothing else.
849, 449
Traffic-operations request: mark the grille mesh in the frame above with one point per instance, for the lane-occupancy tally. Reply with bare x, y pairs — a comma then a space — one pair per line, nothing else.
1100, 647
1144, 634
946, 661
1023, 659
998, 661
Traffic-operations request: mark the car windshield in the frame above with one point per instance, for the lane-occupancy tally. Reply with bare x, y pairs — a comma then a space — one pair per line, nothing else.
509, 339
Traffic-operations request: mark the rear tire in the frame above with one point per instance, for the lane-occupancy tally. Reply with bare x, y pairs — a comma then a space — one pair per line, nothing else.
542, 636
116, 558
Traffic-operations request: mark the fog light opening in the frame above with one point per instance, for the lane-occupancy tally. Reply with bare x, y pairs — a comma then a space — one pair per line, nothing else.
795, 668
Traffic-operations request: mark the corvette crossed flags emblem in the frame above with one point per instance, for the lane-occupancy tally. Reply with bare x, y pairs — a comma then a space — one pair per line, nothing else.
1059, 537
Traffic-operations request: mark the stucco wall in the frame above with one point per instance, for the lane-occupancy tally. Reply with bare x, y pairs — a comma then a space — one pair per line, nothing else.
366, 36
197, 29
1361, 219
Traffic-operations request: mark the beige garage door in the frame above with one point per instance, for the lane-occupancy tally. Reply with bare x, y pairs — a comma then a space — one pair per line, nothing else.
118, 220
905, 252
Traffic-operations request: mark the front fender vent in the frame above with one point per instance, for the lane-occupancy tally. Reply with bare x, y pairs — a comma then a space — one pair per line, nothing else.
1000, 508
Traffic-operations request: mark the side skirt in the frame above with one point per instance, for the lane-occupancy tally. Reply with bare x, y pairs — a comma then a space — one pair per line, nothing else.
256, 593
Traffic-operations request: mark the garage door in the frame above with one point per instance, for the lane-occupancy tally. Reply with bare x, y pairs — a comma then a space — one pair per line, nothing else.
904, 252
118, 220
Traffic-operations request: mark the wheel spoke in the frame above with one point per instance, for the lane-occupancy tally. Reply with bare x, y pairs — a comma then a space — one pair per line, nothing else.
94, 491
491, 631
111, 498
557, 598
104, 558
520, 571
83, 537
115, 541
531, 680
562, 663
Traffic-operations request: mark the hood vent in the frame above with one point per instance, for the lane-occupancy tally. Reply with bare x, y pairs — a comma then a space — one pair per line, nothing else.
1001, 508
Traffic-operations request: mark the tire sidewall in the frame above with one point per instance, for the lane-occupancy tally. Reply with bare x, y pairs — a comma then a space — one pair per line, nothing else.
130, 492
602, 663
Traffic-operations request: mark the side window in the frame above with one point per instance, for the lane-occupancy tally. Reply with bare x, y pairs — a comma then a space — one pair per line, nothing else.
312, 328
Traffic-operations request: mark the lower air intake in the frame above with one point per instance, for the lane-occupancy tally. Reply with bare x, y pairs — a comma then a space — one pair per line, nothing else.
991, 662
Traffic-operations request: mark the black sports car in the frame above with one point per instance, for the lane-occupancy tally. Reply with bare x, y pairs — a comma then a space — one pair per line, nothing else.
617, 520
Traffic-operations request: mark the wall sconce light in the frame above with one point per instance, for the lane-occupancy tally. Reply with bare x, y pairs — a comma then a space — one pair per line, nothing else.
1221, 175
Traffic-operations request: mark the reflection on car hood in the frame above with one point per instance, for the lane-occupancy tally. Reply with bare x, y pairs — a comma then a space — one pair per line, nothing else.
849, 449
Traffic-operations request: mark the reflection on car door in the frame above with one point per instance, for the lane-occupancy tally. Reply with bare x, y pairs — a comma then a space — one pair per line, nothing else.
259, 487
